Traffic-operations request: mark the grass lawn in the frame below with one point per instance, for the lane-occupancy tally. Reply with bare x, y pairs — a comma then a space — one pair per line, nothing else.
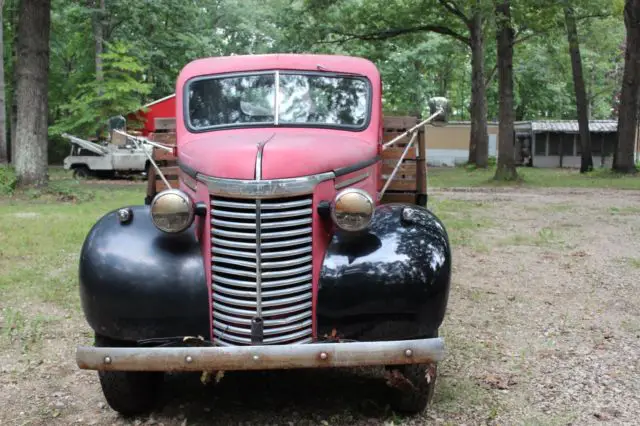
452, 177
41, 232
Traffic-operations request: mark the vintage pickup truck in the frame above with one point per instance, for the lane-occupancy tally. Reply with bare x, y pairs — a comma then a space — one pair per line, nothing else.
278, 247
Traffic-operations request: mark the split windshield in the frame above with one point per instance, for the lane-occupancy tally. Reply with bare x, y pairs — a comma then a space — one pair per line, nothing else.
302, 99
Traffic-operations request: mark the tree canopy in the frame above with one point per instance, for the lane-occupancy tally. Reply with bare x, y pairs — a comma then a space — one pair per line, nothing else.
110, 57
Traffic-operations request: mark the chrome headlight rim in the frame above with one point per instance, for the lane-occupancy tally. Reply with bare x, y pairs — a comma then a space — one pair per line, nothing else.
361, 192
191, 210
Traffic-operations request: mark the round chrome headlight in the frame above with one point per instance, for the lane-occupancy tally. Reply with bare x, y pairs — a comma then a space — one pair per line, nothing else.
172, 211
352, 209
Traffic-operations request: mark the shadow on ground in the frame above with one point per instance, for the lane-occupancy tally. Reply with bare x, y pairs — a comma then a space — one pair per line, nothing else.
339, 396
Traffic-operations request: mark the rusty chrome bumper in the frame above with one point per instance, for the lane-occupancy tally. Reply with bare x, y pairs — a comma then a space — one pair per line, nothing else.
315, 355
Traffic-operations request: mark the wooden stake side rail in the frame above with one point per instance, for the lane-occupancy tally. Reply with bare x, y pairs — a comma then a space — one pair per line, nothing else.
167, 162
408, 186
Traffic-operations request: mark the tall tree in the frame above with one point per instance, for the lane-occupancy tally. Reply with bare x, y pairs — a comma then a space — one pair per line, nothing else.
582, 106
506, 167
98, 35
4, 153
462, 21
30, 151
479, 136
623, 157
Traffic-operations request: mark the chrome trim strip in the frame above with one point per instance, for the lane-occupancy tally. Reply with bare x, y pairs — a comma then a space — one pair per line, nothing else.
252, 284
352, 180
286, 263
286, 272
267, 304
261, 189
269, 322
281, 311
293, 232
267, 245
272, 293
268, 331
258, 261
269, 255
263, 357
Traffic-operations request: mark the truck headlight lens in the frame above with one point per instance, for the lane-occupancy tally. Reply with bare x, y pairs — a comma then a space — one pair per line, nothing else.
352, 209
172, 211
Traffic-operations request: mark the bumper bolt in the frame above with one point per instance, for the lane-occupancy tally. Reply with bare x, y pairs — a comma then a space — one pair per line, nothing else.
189, 359
408, 353
323, 355
107, 360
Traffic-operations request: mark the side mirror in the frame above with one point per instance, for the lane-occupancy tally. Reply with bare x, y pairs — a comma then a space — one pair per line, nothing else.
442, 103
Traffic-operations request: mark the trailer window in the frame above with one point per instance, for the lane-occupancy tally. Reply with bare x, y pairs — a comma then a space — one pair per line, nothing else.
282, 98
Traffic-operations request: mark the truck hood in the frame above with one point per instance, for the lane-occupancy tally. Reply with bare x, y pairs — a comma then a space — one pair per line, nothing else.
233, 156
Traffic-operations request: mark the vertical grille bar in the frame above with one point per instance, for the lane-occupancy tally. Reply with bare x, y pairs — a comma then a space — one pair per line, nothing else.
257, 332
261, 269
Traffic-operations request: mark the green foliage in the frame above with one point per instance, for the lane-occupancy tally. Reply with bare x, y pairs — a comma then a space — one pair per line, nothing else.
148, 42
120, 92
8, 180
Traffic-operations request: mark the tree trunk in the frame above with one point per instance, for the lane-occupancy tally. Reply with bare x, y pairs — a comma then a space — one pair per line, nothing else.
506, 169
4, 152
582, 106
479, 138
31, 92
98, 34
623, 157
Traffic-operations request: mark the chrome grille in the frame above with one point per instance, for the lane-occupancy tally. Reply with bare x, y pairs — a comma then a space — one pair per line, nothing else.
261, 266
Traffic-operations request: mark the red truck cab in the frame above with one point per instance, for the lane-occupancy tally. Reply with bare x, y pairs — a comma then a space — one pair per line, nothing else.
274, 251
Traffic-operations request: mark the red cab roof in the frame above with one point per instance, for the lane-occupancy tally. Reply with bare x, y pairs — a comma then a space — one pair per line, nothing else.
288, 61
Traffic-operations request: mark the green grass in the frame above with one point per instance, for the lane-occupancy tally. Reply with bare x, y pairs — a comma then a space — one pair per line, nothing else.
444, 177
462, 219
625, 211
41, 232
545, 237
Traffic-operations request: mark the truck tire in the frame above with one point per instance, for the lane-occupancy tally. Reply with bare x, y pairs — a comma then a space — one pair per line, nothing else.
129, 392
415, 396
81, 172
411, 386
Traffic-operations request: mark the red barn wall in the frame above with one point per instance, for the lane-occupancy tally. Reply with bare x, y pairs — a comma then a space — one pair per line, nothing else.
162, 108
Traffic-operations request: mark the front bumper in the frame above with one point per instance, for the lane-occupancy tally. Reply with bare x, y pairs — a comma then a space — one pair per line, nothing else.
229, 358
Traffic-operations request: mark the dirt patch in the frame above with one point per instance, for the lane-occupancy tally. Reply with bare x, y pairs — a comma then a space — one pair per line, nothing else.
542, 327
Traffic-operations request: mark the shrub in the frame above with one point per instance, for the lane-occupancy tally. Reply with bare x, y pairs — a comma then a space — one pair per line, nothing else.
8, 180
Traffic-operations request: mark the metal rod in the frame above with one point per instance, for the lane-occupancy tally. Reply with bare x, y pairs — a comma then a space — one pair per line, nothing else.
395, 170
155, 166
144, 140
411, 130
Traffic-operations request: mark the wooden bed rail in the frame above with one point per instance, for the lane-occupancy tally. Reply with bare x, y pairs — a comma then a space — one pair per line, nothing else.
408, 186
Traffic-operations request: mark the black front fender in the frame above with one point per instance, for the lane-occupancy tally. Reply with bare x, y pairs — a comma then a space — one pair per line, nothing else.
137, 282
391, 282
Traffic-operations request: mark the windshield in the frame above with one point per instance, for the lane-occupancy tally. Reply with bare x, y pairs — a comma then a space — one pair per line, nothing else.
302, 99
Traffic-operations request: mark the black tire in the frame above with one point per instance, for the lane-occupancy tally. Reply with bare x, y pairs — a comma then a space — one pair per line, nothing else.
129, 393
411, 387
412, 397
81, 172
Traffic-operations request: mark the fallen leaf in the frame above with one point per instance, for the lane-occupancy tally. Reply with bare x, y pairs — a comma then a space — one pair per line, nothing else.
499, 382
